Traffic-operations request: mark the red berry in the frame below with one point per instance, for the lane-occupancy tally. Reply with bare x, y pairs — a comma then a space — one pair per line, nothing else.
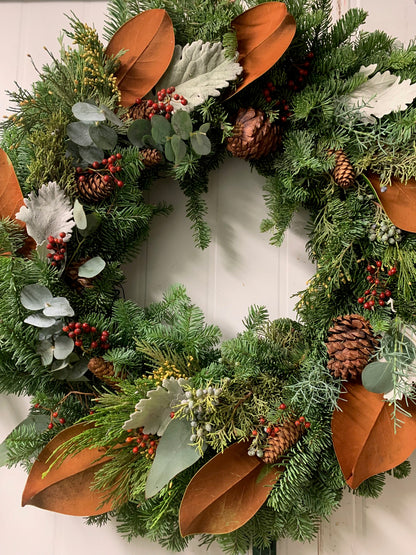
307, 425
105, 346
135, 450
62, 234
382, 296
36, 405
106, 178
387, 293
86, 327
370, 268
138, 100
50, 425
175, 97
78, 169
297, 423
372, 302
62, 421
78, 343
291, 83
149, 103
120, 183
254, 433
105, 333
150, 451
361, 300
282, 406
374, 292
104, 161
71, 334
77, 331
78, 325
65, 329
119, 156
268, 430
302, 419
366, 306
262, 420
379, 264
172, 414
370, 279
283, 119
94, 345
51, 239
71, 325
381, 303
55, 414
310, 55
367, 292
167, 116
184, 102
377, 281
129, 439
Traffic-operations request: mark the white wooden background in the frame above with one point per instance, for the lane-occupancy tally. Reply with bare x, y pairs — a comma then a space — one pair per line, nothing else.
239, 269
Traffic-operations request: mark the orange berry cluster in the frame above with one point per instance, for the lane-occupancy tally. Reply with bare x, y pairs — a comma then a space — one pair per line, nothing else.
146, 443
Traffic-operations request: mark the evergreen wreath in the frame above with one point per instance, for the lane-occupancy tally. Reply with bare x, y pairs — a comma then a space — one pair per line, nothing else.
139, 414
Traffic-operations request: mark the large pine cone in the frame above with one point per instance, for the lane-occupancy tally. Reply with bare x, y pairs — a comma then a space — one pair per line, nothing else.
350, 344
344, 174
76, 282
104, 371
140, 110
286, 438
253, 135
151, 157
95, 188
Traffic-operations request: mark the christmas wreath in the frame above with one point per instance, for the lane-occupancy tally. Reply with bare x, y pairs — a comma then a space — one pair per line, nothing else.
139, 414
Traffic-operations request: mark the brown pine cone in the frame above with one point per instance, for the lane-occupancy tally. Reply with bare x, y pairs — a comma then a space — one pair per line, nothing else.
151, 157
288, 435
76, 282
350, 344
95, 187
104, 371
140, 110
253, 135
344, 174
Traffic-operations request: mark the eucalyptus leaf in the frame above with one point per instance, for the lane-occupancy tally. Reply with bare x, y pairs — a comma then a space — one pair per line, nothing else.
103, 136
378, 377
72, 150
40, 321
182, 124
93, 223
92, 267
204, 127
200, 143
45, 350
174, 454
148, 140
35, 296
179, 148
161, 129
64, 346
399, 349
170, 155
111, 116
85, 111
80, 217
79, 133
58, 307
74, 373
91, 153
47, 333
137, 130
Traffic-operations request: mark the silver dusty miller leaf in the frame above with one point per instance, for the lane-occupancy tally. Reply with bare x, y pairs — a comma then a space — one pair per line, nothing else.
198, 71
153, 413
379, 95
49, 212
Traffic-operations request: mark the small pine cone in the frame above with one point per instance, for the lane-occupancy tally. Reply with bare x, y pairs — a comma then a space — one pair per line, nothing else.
151, 157
103, 370
78, 283
344, 174
350, 344
140, 110
95, 187
253, 135
288, 435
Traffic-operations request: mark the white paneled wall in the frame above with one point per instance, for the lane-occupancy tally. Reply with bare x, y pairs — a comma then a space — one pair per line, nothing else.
237, 270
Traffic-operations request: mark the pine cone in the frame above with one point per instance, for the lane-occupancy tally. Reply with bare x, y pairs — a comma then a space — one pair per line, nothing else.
151, 157
76, 282
95, 188
350, 344
103, 370
140, 110
288, 435
253, 135
344, 174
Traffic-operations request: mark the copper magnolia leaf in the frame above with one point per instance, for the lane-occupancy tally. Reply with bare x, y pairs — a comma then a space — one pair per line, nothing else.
226, 492
66, 488
263, 33
149, 40
399, 201
11, 198
364, 438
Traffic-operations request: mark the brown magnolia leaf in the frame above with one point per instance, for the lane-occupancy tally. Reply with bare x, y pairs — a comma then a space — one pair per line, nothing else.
226, 492
66, 488
11, 198
399, 201
263, 33
363, 434
149, 40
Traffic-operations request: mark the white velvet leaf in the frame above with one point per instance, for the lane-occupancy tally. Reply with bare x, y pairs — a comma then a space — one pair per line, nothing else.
49, 212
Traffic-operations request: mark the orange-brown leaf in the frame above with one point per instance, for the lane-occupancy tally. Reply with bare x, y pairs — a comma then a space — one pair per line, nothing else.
66, 488
399, 201
11, 198
263, 33
149, 40
226, 492
364, 438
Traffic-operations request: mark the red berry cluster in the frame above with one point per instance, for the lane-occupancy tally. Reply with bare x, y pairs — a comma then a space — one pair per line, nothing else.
379, 291
54, 416
79, 331
272, 430
146, 443
300, 72
106, 168
163, 107
57, 246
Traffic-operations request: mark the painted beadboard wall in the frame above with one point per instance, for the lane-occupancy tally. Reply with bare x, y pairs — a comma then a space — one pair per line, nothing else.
237, 270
